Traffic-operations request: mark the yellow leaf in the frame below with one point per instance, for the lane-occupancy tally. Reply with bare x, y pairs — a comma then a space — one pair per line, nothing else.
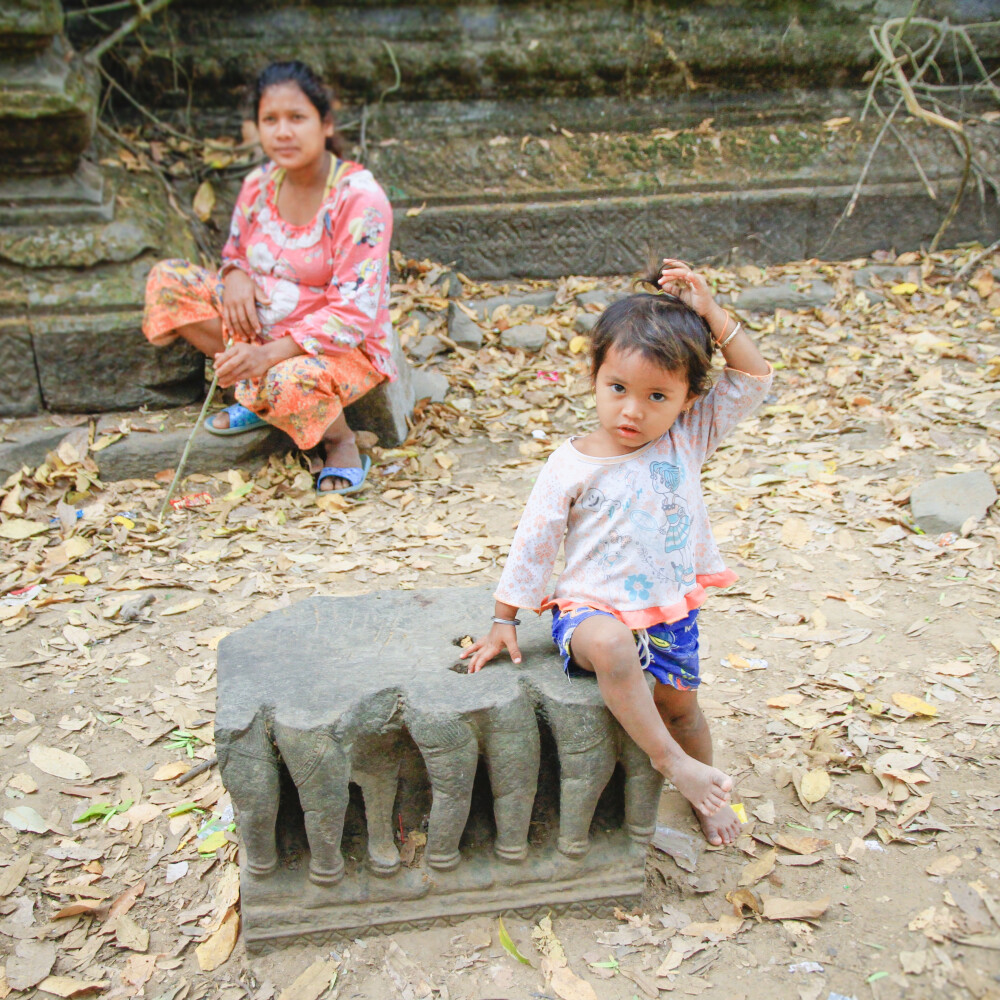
815, 784
413, 212
577, 345
75, 579
213, 842
179, 609
904, 288
213, 952
914, 705
18, 529
204, 201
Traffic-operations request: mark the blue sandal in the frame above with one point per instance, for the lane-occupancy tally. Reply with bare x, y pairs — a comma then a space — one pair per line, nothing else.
354, 475
241, 420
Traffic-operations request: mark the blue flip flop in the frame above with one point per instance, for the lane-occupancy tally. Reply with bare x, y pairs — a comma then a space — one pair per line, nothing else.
354, 475
241, 420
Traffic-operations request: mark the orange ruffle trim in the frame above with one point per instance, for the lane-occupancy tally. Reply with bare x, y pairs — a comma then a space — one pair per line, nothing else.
647, 617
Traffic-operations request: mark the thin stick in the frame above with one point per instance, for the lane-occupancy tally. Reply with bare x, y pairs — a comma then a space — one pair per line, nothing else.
145, 13
974, 260
187, 447
196, 770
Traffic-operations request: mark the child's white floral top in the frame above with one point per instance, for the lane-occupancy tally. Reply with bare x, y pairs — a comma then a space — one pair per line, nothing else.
638, 542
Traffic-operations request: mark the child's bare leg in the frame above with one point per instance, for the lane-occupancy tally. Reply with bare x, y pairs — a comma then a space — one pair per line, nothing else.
686, 722
606, 648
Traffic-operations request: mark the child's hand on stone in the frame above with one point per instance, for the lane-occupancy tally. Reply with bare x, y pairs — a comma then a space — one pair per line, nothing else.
483, 650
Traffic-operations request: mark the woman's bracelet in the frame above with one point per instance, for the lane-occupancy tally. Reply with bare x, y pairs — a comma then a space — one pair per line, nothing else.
723, 343
506, 621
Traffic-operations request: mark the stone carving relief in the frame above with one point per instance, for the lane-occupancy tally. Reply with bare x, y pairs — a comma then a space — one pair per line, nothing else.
395, 702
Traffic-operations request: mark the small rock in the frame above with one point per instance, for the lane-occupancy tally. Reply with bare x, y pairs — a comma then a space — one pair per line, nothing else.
946, 503
427, 347
463, 331
526, 336
598, 297
448, 285
429, 385
888, 274
585, 322
783, 295
542, 301
424, 322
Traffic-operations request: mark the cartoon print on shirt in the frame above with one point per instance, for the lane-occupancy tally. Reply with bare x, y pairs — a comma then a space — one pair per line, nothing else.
684, 575
596, 501
666, 478
367, 228
611, 550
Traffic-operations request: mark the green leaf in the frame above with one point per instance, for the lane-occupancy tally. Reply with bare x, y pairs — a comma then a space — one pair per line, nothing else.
876, 976
184, 807
239, 491
508, 945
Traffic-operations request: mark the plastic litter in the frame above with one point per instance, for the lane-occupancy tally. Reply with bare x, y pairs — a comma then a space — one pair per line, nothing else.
805, 967
24, 595
549, 376
191, 500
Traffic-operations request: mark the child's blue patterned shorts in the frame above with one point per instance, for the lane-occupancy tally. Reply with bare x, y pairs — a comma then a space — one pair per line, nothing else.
668, 651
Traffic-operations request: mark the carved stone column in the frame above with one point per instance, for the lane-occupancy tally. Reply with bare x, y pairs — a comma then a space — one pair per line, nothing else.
76, 243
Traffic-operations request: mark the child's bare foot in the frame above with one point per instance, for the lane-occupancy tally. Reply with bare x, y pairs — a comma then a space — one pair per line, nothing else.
705, 787
722, 827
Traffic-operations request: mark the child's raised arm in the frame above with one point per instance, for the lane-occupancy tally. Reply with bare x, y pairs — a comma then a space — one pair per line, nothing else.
503, 633
692, 289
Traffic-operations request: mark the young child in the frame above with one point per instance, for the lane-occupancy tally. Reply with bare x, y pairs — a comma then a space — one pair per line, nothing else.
626, 500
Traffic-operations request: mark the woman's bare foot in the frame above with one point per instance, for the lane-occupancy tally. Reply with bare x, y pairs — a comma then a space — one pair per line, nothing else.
722, 827
705, 787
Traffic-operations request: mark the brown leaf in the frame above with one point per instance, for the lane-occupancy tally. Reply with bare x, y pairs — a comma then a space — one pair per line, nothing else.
130, 935
776, 908
312, 983
125, 901
744, 897
800, 845
213, 952
64, 986
13, 874
815, 784
756, 870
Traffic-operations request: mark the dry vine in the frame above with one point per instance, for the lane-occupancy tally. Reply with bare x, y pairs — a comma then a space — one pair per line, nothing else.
907, 72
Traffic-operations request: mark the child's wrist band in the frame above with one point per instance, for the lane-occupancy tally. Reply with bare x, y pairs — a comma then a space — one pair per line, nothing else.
506, 621
736, 329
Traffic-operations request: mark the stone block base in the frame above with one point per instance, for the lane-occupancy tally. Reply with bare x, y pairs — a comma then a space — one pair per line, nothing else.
342, 720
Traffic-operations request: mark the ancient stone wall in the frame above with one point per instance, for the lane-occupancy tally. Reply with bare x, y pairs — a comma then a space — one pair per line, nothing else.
542, 139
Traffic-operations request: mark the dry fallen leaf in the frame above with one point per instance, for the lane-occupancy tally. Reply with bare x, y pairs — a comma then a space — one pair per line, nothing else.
800, 845
58, 763
213, 952
815, 784
758, 869
312, 983
776, 908
914, 705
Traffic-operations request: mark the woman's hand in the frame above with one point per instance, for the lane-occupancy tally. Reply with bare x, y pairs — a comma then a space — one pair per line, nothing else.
498, 637
241, 361
239, 304
692, 289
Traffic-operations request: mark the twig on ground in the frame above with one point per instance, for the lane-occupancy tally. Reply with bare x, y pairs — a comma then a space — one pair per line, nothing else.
196, 770
974, 260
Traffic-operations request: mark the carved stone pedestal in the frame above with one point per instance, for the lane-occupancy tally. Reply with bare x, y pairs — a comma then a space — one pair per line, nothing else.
75, 247
343, 720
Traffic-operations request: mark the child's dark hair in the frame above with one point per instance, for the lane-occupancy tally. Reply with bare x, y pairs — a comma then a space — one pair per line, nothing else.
320, 96
662, 329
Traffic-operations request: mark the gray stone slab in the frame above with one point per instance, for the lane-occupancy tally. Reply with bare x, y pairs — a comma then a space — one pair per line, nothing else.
339, 718
781, 295
429, 385
611, 235
525, 337
29, 448
91, 363
947, 502
141, 455
462, 330
596, 297
385, 408
585, 322
427, 347
19, 394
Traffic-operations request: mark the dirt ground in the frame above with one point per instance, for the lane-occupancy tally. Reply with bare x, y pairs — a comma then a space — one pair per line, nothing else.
851, 677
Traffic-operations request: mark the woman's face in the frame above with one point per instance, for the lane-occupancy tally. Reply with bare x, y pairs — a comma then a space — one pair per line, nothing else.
291, 131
